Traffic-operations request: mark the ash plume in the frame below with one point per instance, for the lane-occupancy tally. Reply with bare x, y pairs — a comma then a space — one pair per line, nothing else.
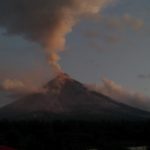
46, 22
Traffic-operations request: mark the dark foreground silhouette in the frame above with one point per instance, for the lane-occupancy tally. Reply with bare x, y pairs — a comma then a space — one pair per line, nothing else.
6, 148
73, 135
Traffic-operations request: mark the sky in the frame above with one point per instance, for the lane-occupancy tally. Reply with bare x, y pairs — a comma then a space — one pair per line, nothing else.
113, 44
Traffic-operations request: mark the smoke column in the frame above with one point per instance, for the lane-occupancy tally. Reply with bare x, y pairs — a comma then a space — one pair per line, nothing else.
46, 22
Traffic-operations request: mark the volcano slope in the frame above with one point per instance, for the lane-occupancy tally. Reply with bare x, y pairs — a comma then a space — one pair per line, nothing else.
67, 115
66, 97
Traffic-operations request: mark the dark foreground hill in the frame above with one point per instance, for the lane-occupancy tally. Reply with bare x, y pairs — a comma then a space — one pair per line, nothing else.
73, 135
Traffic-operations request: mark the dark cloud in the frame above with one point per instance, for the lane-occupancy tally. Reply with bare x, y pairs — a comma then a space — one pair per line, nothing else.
46, 21
144, 76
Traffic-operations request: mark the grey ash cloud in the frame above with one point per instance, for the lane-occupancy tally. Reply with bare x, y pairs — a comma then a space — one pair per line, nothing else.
46, 22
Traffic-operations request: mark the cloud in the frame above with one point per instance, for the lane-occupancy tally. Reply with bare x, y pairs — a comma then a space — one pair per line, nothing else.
134, 23
113, 26
113, 23
10, 85
47, 22
113, 39
122, 95
91, 34
15, 86
144, 76
15, 89
120, 23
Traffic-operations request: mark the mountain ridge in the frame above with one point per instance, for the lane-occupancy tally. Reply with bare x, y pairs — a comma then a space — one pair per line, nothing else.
64, 96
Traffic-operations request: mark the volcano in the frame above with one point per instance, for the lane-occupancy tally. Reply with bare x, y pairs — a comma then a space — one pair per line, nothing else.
68, 98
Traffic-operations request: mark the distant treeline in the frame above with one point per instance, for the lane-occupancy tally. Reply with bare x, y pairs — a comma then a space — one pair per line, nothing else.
73, 134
